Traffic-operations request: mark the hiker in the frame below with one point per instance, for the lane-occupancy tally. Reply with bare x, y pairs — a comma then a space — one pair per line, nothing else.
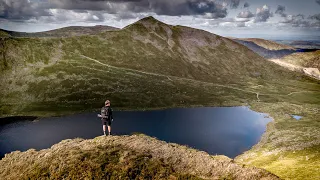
106, 117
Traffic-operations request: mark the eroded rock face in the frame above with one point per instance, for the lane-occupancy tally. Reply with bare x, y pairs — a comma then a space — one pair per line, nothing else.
123, 157
314, 72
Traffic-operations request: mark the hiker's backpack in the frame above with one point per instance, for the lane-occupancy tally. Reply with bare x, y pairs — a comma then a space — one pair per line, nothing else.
105, 112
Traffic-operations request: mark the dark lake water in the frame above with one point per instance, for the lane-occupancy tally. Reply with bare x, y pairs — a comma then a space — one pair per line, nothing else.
217, 130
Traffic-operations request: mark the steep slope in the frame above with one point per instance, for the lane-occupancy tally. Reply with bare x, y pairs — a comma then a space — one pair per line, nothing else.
148, 64
304, 59
64, 32
123, 157
305, 62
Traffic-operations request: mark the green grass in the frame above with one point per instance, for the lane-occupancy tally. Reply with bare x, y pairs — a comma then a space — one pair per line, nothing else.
289, 148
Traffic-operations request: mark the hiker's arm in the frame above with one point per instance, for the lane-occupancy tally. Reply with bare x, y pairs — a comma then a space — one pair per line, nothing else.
102, 116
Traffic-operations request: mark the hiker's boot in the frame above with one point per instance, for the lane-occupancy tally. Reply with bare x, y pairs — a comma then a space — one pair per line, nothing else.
110, 133
104, 133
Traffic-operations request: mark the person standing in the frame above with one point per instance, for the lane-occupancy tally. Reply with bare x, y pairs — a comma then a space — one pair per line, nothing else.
106, 117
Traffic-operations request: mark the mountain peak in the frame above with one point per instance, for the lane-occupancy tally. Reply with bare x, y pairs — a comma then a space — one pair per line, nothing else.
147, 22
148, 19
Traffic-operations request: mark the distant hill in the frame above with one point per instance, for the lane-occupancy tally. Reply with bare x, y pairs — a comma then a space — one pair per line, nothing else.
306, 44
301, 60
267, 44
64, 32
272, 50
266, 48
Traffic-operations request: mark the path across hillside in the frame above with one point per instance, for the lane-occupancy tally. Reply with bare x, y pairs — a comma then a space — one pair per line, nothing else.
170, 77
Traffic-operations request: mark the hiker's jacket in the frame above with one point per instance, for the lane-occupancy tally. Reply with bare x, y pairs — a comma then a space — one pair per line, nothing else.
106, 113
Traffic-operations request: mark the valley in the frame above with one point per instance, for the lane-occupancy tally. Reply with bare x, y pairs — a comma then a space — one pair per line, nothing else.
153, 65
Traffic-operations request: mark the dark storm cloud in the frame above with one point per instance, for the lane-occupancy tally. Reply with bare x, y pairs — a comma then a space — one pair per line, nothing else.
281, 10
95, 5
298, 21
21, 10
318, 1
315, 17
212, 9
234, 4
27, 9
246, 5
245, 14
215, 9
262, 14
294, 20
128, 15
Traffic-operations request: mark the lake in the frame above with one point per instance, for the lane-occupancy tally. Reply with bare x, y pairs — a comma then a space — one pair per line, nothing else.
217, 130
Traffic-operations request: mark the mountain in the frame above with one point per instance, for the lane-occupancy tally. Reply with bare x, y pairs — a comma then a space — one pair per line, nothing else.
144, 65
123, 157
147, 64
64, 32
150, 64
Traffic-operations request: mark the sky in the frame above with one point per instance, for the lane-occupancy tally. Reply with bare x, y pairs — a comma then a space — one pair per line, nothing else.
237, 18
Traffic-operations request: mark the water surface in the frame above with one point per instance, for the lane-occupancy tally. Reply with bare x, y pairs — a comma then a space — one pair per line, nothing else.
216, 130
296, 117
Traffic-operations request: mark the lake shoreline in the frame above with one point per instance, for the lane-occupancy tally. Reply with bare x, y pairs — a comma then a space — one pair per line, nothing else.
210, 121
281, 121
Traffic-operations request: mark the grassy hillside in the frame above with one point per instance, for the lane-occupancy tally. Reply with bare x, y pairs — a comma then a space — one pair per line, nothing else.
149, 65
289, 148
123, 157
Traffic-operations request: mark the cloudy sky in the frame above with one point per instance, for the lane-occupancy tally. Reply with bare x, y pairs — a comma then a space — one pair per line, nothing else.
239, 18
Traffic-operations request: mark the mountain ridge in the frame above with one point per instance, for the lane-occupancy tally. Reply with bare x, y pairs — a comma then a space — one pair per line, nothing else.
267, 44
68, 31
